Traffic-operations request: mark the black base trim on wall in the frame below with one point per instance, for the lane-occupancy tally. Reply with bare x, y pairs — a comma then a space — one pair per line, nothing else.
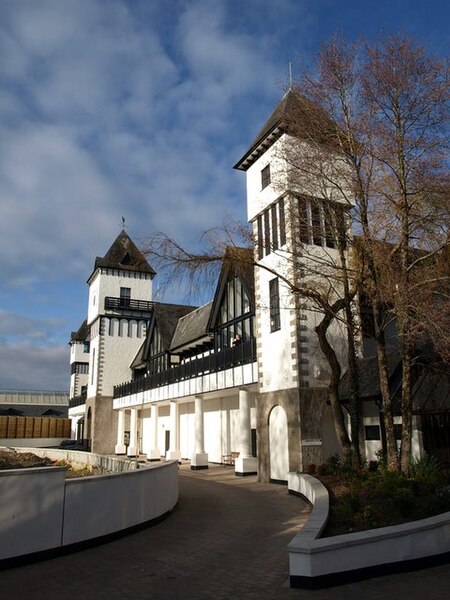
25, 559
279, 481
199, 467
334, 579
245, 474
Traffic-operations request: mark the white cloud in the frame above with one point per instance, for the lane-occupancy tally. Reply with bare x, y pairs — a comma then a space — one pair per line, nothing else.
109, 110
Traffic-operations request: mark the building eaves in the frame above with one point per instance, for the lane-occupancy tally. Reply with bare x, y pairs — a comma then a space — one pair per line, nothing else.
295, 115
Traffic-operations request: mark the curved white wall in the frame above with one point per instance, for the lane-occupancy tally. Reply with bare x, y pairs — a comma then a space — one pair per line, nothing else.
40, 510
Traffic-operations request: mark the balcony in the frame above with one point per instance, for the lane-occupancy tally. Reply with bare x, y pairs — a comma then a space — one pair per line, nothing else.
127, 304
219, 361
78, 400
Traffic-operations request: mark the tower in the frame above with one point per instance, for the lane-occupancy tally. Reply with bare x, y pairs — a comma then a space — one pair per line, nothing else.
294, 213
119, 308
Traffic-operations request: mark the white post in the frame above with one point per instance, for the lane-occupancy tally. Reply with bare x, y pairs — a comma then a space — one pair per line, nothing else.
120, 446
132, 450
200, 459
174, 450
245, 464
155, 453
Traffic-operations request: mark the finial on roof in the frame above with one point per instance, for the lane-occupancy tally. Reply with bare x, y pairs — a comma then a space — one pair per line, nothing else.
123, 223
290, 75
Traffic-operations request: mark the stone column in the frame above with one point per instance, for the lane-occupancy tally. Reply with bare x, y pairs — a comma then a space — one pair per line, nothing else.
155, 453
200, 459
120, 446
174, 450
132, 449
245, 464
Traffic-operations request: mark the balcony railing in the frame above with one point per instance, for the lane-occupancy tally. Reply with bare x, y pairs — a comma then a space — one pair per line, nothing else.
219, 361
128, 304
77, 400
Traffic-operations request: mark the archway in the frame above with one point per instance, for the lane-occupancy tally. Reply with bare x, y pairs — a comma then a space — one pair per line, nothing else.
278, 444
89, 428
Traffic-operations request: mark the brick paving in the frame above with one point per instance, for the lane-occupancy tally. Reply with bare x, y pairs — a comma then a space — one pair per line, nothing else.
226, 540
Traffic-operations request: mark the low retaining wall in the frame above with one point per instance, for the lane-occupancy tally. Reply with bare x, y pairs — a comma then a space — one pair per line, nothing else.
315, 562
41, 511
110, 464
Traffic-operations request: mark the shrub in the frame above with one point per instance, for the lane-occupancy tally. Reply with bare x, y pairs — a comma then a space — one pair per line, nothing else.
427, 473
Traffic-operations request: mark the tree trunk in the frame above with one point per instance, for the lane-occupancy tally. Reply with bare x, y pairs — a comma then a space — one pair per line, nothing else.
333, 387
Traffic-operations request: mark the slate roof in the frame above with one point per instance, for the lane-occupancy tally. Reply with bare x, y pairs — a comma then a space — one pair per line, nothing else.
124, 255
81, 334
294, 115
192, 327
369, 382
29, 410
166, 317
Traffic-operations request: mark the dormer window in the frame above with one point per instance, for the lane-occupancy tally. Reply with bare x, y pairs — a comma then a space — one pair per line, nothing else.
265, 177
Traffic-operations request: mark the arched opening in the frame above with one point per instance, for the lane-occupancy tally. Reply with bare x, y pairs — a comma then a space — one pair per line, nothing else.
278, 444
88, 428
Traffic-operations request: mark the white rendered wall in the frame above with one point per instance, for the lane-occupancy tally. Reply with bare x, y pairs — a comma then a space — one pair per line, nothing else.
31, 510
118, 353
77, 353
103, 285
33, 502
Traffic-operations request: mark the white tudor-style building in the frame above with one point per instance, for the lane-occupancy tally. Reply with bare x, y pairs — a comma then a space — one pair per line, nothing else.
164, 380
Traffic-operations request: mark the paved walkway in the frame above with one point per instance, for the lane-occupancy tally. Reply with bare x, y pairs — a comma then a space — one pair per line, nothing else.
226, 540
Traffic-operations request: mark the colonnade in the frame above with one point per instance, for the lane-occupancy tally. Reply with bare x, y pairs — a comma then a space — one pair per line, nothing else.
244, 464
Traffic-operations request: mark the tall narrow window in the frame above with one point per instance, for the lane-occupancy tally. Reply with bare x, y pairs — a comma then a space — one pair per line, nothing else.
274, 301
316, 223
267, 232
260, 234
282, 223
329, 226
274, 227
265, 177
125, 295
93, 367
303, 221
341, 228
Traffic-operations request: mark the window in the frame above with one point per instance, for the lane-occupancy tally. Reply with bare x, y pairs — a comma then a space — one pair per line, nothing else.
125, 295
282, 223
86, 346
372, 432
329, 227
93, 367
265, 177
303, 221
260, 238
322, 223
267, 248
274, 303
271, 229
316, 224
274, 227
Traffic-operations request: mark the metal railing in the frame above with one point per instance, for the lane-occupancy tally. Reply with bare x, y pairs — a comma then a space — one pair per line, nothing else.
218, 361
112, 303
77, 400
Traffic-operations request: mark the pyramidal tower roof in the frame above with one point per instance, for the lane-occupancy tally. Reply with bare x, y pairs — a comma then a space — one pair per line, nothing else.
125, 256
295, 115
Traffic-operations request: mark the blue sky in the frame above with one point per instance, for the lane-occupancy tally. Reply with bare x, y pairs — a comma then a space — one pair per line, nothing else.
138, 108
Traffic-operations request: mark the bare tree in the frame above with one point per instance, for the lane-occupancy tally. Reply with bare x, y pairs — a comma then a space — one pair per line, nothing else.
366, 144
384, 125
